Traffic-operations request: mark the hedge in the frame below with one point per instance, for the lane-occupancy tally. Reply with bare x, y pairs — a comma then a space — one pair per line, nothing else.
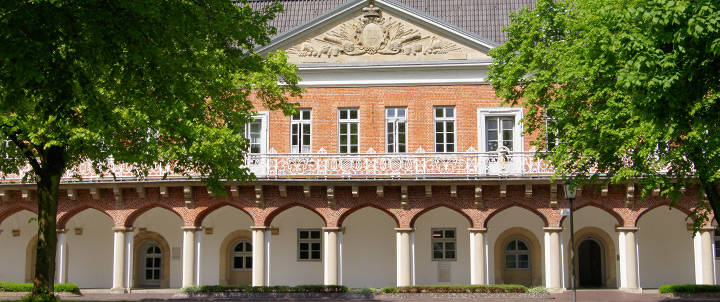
266, 289
482, 289
6, 286
688, 289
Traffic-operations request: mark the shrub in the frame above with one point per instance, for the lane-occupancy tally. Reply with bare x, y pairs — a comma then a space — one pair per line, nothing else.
688, 289
266, 289
501, 288
538, 289
6, 286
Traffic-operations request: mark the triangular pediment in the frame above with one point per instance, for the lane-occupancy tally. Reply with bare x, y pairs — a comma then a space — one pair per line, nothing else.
378, 31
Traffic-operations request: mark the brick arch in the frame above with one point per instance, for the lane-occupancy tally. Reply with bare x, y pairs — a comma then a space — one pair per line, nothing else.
274, 213
7, 213
418, 214
614, 214
485, 222
687, 212
342, 217
209, 210
63, 220
130, 219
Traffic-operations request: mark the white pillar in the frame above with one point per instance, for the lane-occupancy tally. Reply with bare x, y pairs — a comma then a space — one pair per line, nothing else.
405, 253
61, 257
704, 259
629, 268
188, 257
261, 255
198, 256
553, 261
332, 257
478, 270
129, 248
119, 260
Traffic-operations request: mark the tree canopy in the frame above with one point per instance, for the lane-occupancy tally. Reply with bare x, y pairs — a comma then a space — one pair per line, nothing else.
142, 82
630, 88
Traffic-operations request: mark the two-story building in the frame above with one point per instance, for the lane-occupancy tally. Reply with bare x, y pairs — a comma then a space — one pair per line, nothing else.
400, 168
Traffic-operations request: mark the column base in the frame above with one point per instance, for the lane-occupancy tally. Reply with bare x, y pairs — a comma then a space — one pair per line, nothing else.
635, 290
119, 290
556, 290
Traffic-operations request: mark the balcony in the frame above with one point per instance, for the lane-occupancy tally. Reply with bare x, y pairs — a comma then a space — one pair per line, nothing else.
370, 165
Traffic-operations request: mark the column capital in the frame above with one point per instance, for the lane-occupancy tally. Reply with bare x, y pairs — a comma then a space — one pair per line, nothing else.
405, 230
122, 229
626, 229
261, 228
191, 228
553, 229
61, 231
334, 229
477, 230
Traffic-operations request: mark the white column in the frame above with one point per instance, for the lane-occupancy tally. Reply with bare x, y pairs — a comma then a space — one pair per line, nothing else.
61, 257
331, 262
198, 256
704, 259
405, 253
478, 270
188, 278
553, 261
119, 260
261, 256
129, 248
629, 268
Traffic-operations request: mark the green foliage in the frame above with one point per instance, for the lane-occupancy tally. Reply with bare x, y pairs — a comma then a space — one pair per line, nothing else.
43, 297
477, 289
538, 289
266, 289
363, 290
631, 86
6, 286
688, 289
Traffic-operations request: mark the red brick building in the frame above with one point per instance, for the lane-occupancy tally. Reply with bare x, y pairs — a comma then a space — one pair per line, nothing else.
402, 167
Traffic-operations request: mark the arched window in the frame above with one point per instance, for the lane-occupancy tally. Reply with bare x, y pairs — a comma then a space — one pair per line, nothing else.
242, 256
153, 264
517, 255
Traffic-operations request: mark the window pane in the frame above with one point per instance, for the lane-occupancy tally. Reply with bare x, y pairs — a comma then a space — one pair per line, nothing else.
449, 127
354, 114
523, 257
237, 262
315, 246
304, 234
306, 114
354, 128
449, 233
354, 149
148, 274
437, 234
449, 112
239, 247
511, 246
507, 124
401, 112
304, 255
437, 246
522, 246
390, 113
315, 234
507, 134
491, 124
509, 261
316, 255
439, 138
450, 148
450, 246
492, 135
450, 137
306, 129
437, 255
438, 112
248, 247
492, 146
439, 127
449, 254
304, 246
343, 114
149, 262
508, 144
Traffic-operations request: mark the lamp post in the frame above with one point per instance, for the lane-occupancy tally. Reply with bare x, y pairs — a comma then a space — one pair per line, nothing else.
570, 194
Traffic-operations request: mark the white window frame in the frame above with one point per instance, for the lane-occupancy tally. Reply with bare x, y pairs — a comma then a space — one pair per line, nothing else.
349, 121
395, 120
244, 255
516, 113
454, 119
517, 252
301, 121
443, 240
264, 118
310, 241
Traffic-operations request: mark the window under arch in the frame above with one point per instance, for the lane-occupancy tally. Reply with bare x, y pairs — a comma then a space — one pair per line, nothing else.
517, 255
241, 255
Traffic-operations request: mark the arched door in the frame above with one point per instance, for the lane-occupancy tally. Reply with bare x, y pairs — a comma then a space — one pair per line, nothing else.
517, 263
152, 264
590, 264
241, 263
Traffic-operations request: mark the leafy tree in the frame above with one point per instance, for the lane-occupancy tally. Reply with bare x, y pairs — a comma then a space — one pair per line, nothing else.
142, 82
630, 87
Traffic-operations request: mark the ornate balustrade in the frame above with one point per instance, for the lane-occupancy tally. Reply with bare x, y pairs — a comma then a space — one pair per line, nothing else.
372, 165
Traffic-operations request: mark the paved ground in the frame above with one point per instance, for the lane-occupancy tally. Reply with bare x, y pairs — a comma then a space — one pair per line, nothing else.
583, 295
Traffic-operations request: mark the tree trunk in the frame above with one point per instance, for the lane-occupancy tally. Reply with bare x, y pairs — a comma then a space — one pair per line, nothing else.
711, 190
48, 187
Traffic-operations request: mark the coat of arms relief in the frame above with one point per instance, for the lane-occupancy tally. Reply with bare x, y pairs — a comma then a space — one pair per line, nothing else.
372, 34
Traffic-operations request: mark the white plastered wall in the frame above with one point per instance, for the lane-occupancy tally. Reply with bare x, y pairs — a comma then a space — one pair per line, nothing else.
223, 221
665, 249
90, 255
13, 249
510, 218
285, 269
369, 249
168, 225
426, 270
589, 217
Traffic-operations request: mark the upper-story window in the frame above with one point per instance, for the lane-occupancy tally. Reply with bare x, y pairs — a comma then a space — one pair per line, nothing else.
444, 129
256, 133
396, 130
300, 131
349, 130
500, 127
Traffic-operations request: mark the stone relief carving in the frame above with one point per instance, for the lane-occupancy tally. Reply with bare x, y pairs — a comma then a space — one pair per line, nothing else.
372, 34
